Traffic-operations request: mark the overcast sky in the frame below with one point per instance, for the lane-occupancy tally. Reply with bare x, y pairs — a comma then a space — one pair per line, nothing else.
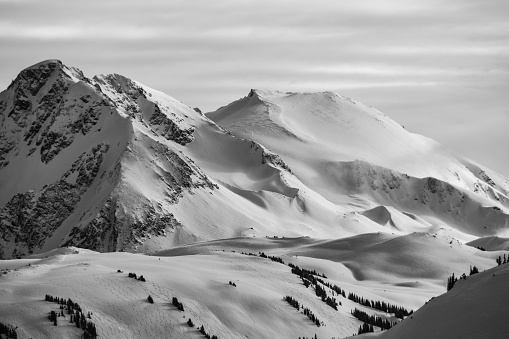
438, 67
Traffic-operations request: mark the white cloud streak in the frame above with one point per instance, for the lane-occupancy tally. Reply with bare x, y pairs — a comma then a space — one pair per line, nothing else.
412, 59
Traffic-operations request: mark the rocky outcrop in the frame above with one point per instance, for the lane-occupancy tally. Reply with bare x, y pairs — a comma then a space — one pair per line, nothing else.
30, 218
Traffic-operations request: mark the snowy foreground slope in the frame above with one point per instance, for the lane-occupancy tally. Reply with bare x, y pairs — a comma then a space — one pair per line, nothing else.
199, 275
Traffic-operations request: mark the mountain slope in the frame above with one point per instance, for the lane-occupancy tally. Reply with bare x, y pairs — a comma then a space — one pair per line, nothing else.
109, 164
474, 308
354, 155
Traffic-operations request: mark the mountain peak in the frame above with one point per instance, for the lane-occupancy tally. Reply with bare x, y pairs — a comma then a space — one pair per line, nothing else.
46, 63
122, 155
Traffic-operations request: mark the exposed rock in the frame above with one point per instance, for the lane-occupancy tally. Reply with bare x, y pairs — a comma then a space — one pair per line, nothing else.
169, 129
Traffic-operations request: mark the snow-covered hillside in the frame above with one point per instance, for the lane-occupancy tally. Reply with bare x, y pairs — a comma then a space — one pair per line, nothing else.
199, 275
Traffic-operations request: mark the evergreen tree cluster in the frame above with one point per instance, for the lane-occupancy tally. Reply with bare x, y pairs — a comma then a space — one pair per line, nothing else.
232, 283
134, 276
276, 259
305, 273
399, 312
311, 316
312, 277
315, 337
150, 299
320, 292
292, 302
500, 262
190, 322
335, 288
8, 331
202, 331
273, 258
372, 320
451, 281
307, 312
53, 317
90, 331
365, 328
67, 304
481, 248
76, 315
177, 304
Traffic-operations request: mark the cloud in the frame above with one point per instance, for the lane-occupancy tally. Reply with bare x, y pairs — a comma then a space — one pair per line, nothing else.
72, 31
418, 61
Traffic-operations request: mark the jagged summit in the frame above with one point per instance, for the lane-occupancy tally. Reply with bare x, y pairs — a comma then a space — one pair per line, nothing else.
45, 63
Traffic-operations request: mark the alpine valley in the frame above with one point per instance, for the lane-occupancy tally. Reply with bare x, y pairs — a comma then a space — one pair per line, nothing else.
280, 215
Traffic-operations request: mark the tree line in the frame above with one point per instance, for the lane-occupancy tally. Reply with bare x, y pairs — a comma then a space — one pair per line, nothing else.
134, 276
399, 312
365, 328
320, 292
76, 315
8, 331
451, 280
372, 320
307, 312
177, 304
202, 331
500, 262
273, 258
312, 277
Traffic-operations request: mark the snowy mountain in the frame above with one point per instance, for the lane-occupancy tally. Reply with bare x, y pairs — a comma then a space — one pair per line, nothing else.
109, 164
354, 155
312, 196
105, 163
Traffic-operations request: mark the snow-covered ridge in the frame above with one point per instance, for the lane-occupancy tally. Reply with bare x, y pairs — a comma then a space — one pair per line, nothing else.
340, 148
109, 164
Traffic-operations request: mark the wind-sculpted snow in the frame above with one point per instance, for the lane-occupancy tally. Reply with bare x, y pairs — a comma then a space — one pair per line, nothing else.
353, 155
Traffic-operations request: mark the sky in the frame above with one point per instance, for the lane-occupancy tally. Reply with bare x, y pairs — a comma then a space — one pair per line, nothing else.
438, 67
